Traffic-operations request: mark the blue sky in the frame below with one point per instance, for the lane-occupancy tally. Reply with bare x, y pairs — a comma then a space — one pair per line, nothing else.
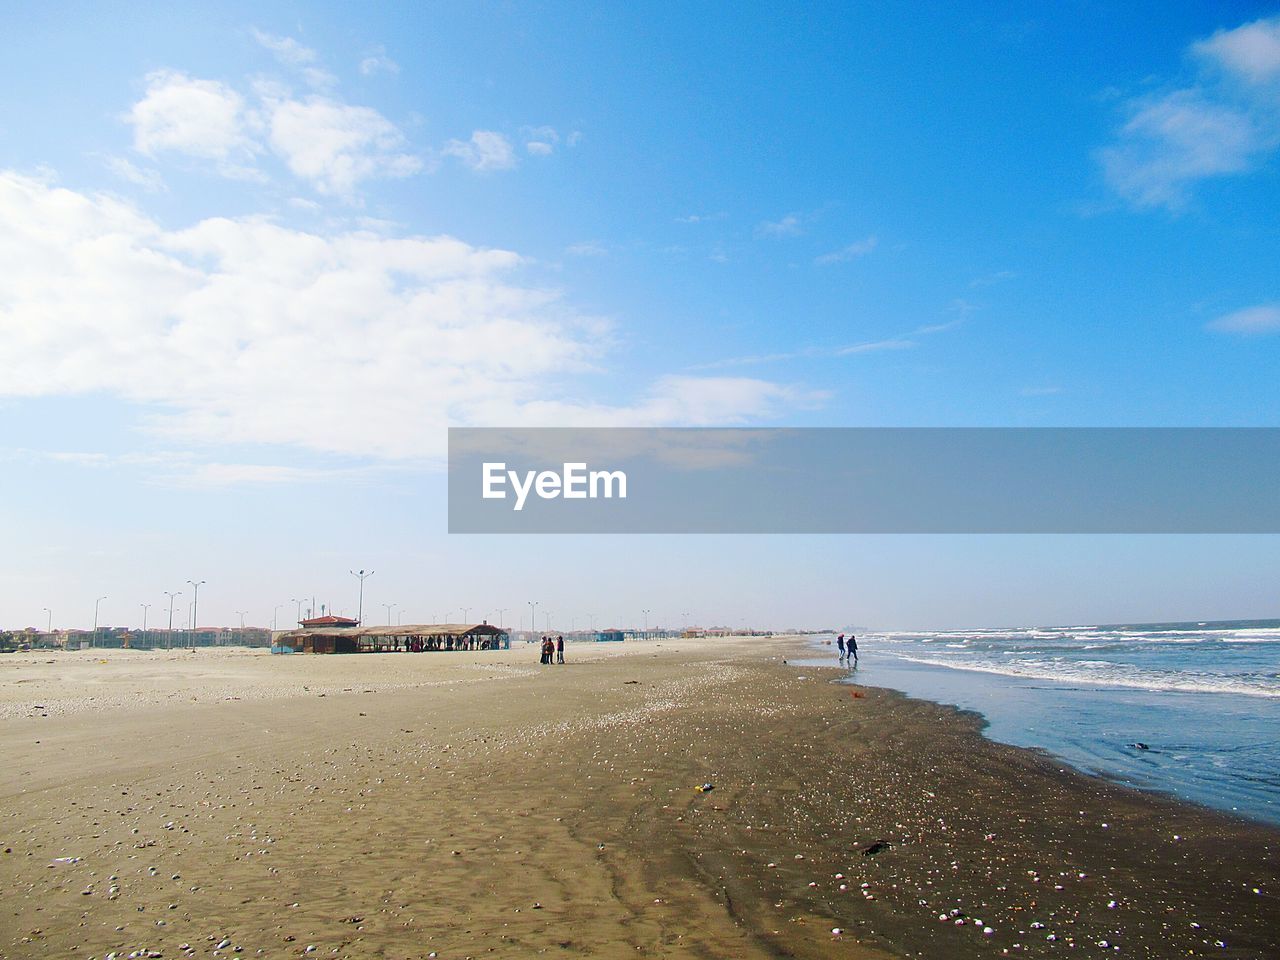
257, 260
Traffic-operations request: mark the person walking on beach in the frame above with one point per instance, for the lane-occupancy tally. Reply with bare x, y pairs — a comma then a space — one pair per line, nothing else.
840, 645
852, 646
560, 648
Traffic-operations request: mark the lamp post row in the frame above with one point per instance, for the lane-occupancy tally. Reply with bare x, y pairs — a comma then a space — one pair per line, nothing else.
361, 575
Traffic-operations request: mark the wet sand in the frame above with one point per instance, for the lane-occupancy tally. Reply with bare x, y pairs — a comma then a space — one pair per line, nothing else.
477, 804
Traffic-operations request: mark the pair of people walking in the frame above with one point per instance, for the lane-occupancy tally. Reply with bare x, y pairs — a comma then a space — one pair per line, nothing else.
553, 649
848, 649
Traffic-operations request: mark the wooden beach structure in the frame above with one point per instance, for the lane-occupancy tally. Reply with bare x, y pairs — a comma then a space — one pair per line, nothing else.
328, 621
400, 638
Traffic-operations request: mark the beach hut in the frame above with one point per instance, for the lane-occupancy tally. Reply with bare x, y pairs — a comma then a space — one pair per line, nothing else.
401, 638
317, 623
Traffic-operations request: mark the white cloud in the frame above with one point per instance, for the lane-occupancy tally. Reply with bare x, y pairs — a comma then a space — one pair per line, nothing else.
875, 346
378, 63
788, 226
486, 150
335, 146
1172, 142
320, 79
720, 401
853, 251
540, 141
200, 118
701, 217
1216, 127
1251, 51
244, 331
291, 53
676, 400
1251, 321
126, 169
332, 145
286, 49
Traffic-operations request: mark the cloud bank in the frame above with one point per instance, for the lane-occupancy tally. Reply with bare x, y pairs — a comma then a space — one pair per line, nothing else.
240, 330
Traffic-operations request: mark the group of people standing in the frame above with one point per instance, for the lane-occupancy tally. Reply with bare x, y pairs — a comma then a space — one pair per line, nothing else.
553, 649
848, 649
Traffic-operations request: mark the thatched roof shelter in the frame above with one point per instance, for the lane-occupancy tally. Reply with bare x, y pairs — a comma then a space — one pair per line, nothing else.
370, 639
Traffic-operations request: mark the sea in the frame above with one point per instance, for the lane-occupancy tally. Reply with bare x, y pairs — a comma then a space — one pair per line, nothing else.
1191, 709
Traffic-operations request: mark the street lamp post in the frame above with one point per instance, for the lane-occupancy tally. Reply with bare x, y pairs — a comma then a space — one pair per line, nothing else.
362, 577
465, 611
171, 595
275, 615
646, 622
195, 609
94, 641
388, 606
533, 616
145, 608
49, 626
546, 617
501, 611
299, 603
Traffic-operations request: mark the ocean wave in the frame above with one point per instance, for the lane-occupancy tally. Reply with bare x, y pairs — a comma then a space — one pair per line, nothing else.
1188, 634
1068, 671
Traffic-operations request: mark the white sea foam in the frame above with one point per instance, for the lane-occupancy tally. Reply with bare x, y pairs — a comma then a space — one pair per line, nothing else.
1075, 671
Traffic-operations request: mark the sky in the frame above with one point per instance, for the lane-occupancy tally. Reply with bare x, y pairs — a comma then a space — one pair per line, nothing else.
254, 260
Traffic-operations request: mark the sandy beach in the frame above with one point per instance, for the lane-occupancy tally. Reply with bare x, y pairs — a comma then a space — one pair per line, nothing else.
227, 802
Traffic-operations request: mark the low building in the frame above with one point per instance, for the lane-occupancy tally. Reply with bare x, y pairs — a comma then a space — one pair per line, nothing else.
330, 620
403, 638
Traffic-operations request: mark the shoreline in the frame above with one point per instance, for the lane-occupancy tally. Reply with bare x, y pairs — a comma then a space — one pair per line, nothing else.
568, 796
1120, 734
